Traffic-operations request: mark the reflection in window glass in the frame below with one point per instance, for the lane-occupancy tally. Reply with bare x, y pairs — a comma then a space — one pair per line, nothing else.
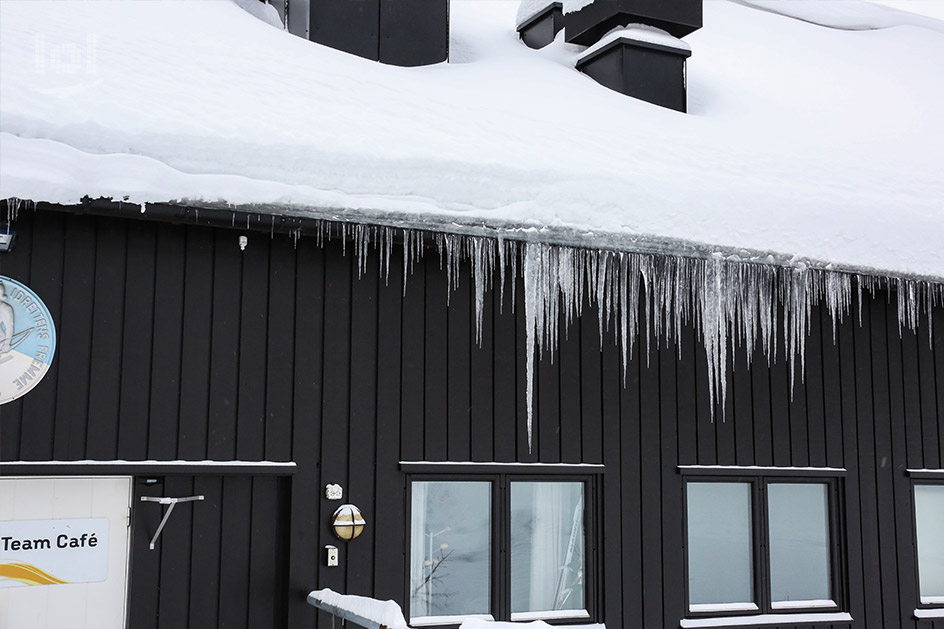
720, 556
450, 548
798, 516
929, 521
547, 547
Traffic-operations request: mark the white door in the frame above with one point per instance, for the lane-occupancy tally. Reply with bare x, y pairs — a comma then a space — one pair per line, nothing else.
64, 552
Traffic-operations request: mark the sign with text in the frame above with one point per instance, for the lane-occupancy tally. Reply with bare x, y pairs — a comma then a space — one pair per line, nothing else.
27, 339
53, 552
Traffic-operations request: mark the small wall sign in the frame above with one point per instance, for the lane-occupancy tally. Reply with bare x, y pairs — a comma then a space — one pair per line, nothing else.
27, 340
53, 552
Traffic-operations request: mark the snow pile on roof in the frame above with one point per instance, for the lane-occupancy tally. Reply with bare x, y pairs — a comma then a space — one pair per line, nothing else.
641, 33
854, 15
386, 613
816, 143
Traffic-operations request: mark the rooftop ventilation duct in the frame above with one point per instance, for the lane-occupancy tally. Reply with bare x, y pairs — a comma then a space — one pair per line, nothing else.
541, 27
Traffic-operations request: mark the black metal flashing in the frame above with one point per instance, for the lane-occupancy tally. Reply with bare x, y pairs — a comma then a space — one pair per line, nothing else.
588, 25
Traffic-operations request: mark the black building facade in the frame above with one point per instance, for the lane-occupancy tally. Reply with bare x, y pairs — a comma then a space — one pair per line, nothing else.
257, 376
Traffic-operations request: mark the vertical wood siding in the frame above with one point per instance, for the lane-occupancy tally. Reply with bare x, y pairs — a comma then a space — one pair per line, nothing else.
174, 344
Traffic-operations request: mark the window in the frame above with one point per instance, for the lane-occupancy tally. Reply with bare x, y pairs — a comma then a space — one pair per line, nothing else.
762, 545
501, 546
929, 533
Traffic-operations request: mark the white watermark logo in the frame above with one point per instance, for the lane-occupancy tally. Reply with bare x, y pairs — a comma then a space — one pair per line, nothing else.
67, 67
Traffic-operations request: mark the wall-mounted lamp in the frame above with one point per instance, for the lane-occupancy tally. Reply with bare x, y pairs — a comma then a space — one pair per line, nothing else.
348, 522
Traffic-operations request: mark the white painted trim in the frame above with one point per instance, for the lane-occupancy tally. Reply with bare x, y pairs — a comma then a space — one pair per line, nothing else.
153, 463
723, 607
929, 613
763, 619
557, 613
591, 466
761, 468
932, 600
423, 621
924, 471
803, 604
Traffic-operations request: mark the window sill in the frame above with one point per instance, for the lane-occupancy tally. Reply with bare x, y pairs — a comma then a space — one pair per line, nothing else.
764, 619
429, 621
564, 614
929, 613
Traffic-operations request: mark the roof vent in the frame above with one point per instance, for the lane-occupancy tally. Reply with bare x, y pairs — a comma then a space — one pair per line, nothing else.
398, 32
539, 23
635, 47
640, 61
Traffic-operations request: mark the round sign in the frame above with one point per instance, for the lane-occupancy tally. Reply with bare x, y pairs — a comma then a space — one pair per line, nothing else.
27, 339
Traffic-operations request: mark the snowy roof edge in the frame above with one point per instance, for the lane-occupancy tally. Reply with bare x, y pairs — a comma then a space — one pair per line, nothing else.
560, 235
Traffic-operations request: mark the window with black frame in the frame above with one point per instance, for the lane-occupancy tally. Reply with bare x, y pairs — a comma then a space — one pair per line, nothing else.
510, 548
759, 545
929, 543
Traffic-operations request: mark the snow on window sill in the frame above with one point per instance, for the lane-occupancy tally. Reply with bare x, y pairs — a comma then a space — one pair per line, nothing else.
560, 613
723, 607
803, 604
763, 619
929, 613
426, 621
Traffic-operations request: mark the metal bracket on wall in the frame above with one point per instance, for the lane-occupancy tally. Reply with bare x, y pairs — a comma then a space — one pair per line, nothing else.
166, 501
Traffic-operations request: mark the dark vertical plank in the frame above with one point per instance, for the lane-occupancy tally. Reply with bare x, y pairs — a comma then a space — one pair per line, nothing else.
547, 406
780, 423
868, 499
939, 372
74, 341
167, 343
435, 365
526, 449
650, 472
105, 365
482, 370
707, 416
363, 425
235, 533
145, 565
799, 423
267, 559
175, 553
16, 264
460, 332
592, 420
349, 26
305, 558
815, 406
832, 391
253, 349
413, 373
932, 393
742, 400
205, 552
280, 351
884, 472
623, 491
138, 329
46, 273
390, 537
673, 567
195, 351
685, 387
336, 396
901, 499
505, 378
760, 409
224, 348
724, 419
569, 393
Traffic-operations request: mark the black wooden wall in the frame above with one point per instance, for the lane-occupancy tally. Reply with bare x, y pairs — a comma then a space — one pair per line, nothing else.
174, 344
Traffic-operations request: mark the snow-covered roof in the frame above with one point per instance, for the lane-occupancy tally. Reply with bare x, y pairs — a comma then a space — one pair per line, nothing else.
806, 141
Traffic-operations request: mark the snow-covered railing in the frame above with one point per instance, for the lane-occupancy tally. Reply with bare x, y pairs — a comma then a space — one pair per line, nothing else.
361, 610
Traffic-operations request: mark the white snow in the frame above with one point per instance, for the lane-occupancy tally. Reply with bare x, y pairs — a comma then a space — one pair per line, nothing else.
387, 613
814, 142
856, 15
527, 9
478, 623
765, 619
637, 32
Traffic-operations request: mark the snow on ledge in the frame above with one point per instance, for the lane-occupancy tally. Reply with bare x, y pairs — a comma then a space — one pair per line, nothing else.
478, 623
929, 613
529, 9
763, 619
386, 613
637, 32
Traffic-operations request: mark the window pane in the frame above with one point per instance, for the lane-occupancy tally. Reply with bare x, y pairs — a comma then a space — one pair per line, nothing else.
450, 553
547, 547
798, 515
720, 556
929, 519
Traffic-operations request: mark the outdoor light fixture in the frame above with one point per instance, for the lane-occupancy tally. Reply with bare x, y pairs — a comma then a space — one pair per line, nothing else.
6, 240
348, 522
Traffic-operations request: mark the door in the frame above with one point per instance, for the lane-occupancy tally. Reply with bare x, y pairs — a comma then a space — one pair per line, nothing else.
64, 552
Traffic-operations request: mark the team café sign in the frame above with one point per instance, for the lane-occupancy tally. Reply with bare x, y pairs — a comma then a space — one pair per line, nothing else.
27, 339
53, 552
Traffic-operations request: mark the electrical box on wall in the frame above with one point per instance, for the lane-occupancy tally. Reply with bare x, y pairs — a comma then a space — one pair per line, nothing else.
331, 556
